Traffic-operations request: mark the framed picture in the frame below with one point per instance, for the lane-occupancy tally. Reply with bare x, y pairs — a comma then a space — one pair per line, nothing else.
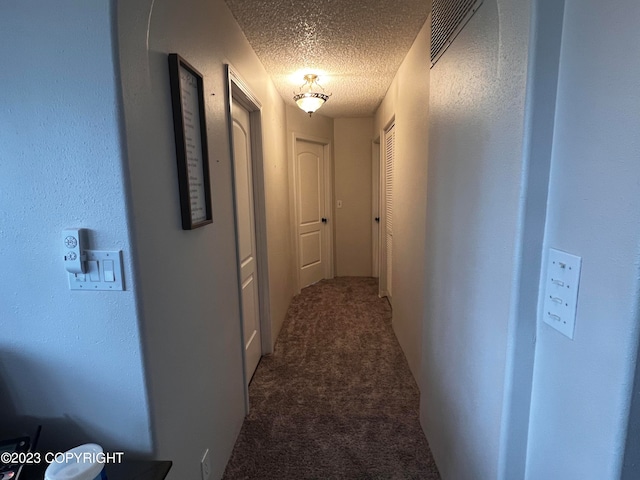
187, 99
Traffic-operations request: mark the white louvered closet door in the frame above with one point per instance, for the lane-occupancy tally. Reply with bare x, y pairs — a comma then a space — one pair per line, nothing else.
390, 143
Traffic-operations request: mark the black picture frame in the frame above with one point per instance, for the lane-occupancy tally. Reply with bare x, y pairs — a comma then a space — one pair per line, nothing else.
192, 152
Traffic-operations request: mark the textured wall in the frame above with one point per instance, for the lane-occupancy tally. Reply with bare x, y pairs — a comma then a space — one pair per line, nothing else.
189, 278
70, 358
538, 138
276, 180
352, 183
476, 131
408, 100
582, 388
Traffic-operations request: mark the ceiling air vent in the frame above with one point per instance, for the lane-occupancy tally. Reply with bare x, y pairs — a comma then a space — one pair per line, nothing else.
448, 18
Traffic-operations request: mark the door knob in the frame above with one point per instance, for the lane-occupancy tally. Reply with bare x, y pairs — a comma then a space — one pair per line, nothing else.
377, 219
324, 220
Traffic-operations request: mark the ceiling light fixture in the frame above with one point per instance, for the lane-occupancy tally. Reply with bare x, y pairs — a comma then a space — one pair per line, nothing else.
310, 98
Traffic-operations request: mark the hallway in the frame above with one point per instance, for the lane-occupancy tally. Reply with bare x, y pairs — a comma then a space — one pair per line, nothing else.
336, 399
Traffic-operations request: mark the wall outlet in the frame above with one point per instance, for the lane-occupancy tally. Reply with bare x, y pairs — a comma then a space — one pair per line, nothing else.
205, 465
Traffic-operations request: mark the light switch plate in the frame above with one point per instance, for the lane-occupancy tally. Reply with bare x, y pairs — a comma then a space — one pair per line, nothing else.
562, 280
104, 272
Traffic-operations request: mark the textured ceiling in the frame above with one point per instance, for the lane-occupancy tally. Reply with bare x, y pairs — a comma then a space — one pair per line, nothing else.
355, 46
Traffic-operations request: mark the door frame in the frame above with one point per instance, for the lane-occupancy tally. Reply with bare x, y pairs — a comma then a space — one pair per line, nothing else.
239, 92
328, 201
375, 207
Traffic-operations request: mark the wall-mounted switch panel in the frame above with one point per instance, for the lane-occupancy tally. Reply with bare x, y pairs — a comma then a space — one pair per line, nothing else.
561, 291
103, 272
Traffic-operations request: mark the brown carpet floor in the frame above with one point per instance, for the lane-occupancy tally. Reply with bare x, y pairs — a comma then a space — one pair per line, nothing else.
336, 400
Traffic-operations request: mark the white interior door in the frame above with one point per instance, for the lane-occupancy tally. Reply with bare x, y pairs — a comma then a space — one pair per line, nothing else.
311, 212
245, 219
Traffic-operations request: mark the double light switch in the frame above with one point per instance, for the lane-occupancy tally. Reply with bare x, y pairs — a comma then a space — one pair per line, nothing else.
103, 272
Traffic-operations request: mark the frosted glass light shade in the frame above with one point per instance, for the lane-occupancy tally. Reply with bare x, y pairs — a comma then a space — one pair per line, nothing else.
310, 101
310, 98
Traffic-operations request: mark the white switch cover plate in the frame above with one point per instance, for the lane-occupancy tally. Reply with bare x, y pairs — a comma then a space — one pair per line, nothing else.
104, 272
561, 291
